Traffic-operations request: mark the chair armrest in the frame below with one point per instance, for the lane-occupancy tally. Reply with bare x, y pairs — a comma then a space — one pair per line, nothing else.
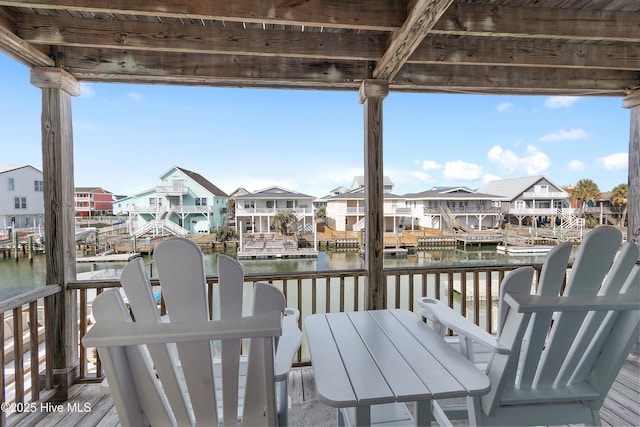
288, 344
435, 310
124, 333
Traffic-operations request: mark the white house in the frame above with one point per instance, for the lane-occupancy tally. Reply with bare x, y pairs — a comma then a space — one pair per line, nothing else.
533, 200
21, 198
346, 212
256, 210
457, 208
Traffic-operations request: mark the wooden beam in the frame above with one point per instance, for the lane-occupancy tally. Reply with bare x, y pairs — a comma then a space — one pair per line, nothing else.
541, 22
422, 16
61, 311
19, 49
358, 14
163, 37
490, 79
632, 102
381, 15
57, 78
530, 53
141, 66
372, 94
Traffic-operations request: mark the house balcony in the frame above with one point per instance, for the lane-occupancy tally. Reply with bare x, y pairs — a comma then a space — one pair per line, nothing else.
466, 288
545, 195
541, 211
175, 190
468, 210
388, 211
271, 211
177, 209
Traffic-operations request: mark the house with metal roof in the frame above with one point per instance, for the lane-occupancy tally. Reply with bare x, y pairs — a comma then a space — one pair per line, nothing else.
183, 203
256, 210
458, 208
534, 201
92, 201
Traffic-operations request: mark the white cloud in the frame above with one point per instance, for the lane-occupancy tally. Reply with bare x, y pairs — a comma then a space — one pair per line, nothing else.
134, 96
489, 177
617, 161
575, 165
421, 176
560, 101
533, 163
504, 106
563, 135
87, 91
461, 170
430, 164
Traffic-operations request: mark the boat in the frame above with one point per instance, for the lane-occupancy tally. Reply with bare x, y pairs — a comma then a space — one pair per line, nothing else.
523, 250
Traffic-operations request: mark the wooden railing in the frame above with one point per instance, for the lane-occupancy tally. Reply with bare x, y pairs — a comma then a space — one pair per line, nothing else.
22, 327
471, 290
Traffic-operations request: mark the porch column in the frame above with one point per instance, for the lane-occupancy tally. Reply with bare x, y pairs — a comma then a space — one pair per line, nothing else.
632, 102
372, 93
61, 316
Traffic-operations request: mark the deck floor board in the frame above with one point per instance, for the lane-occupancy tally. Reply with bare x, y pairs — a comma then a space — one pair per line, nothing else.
620, 408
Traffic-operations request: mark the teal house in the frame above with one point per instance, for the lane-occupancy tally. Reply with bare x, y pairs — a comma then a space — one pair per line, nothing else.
184, 202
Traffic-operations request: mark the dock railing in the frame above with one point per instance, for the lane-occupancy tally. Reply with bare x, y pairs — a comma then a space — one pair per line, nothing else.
471, 290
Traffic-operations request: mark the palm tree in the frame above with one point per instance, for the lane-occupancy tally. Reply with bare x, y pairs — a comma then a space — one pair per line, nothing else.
585, 191
282, 220
620, 197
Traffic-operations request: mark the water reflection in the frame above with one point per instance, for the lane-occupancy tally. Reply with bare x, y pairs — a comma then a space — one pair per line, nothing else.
22, 276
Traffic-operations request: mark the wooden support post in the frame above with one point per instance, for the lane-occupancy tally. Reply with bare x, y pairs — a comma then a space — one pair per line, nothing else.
632, 102
61, 311
372, 94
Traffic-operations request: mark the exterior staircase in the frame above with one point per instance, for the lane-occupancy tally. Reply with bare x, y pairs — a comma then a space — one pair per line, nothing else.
454, 222
161, 224
302, 227
569, 220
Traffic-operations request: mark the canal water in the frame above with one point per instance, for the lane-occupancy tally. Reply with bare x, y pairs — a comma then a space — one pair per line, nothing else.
20, 276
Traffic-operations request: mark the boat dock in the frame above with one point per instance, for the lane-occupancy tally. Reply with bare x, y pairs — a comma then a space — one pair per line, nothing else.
523, 250
277, 253
109, 258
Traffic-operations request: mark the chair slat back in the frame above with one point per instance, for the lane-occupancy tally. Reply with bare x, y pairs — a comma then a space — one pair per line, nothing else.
575, 349
550, 282
231, 286
593, 261
180, 266
134, 388
137, 287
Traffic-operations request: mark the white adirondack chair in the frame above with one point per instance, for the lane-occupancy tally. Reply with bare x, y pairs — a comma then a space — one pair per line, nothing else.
142, 398
180, 266
556, 356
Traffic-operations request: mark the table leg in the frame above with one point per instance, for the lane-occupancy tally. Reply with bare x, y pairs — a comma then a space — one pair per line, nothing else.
422, 413
363, 415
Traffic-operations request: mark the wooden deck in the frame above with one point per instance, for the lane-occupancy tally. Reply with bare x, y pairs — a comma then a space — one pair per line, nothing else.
88, 406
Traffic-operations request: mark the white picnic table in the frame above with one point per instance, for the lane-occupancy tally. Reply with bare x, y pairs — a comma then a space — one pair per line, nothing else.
368, 363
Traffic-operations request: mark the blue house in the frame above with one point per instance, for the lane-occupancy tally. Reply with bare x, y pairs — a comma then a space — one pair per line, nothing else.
183, 203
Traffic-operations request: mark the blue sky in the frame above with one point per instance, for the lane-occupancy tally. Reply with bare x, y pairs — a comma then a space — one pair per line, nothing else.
126, 136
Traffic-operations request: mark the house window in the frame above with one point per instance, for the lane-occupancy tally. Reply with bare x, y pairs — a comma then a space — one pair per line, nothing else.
249, 204
289, 204
542, 188
152, 201
38, 186
270, 204
20, 202
519, 204
201, 201
11, 184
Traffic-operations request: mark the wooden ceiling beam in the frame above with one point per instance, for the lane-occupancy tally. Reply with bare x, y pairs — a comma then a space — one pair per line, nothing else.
531, 80
422, 16
530, 53
358, 14
82, 63
563, 24
149, 36
459, 19
17, 48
